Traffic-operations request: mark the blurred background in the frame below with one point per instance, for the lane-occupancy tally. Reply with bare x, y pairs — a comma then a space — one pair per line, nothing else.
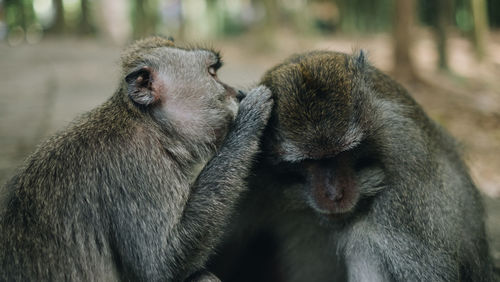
60, 58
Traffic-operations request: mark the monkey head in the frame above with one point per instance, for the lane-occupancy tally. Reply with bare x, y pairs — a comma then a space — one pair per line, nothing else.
316, 130
179, 87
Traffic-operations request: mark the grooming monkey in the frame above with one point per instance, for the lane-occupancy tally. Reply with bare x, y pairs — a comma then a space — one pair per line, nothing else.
355, 183
140, 188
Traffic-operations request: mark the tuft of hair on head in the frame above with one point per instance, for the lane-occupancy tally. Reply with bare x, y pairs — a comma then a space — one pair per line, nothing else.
135, 51
360, 59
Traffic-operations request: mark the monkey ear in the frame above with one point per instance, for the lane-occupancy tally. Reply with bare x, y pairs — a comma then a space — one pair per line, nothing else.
141, 86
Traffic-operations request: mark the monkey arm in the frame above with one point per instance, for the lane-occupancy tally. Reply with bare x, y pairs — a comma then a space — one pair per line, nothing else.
376, 253
221, 182
160, 229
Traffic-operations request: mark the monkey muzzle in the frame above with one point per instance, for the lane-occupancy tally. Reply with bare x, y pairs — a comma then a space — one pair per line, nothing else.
332, 187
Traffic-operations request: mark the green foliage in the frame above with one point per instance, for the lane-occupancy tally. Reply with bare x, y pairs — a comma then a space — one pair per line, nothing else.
463, 15
349, 16
365, 15
19, 13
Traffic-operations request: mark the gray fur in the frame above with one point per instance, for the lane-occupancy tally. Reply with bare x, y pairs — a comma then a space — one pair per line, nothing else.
418, 215
132, 190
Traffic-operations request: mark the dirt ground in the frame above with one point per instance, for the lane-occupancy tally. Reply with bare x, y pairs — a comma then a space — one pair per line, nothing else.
44, 86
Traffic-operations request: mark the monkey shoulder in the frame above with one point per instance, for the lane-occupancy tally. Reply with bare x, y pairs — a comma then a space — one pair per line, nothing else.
95, 151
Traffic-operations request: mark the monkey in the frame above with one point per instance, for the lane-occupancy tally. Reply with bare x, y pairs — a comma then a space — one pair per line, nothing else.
141, 187
354, 183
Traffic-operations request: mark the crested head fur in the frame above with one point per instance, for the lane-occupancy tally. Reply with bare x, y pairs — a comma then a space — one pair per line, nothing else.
316, 96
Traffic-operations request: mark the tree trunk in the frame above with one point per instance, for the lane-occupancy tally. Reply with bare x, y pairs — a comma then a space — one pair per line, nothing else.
59, 24
480, 27
140, 20
85, 26
271, 21
444, 17
145, 19
182, 23
403, 23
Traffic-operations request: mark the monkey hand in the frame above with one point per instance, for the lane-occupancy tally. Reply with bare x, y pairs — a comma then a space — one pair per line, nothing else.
254, 112
202, 276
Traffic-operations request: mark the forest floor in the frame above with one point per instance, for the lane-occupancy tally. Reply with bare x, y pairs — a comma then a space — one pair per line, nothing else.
44, 86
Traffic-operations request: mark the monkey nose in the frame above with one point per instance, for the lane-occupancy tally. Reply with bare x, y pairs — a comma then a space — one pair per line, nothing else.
333, 193
240, 95
338, 195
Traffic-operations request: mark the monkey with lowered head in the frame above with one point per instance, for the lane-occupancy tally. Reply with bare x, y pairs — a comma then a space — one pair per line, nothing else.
355, 183
141, 187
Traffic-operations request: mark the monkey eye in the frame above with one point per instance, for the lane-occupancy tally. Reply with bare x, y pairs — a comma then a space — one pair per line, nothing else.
212, 71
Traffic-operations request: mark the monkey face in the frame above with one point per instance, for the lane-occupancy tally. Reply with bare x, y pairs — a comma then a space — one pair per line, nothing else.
316, 131
180, 88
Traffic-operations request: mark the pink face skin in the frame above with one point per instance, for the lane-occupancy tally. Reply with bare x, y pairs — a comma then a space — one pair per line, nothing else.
181, 88
332, 185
